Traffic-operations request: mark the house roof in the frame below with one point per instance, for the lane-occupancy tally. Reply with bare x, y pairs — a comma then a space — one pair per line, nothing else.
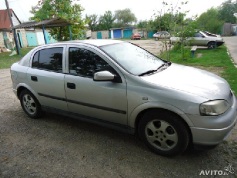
55, 22
5, 22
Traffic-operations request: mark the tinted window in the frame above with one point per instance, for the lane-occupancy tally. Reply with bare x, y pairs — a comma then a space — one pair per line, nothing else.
85, 63
48, 59
198, 35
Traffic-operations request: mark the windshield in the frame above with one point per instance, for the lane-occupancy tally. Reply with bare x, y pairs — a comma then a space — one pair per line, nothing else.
132, 58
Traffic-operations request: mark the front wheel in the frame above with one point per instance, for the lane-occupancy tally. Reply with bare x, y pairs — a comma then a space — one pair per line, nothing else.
211, 45
30, 104
164, 133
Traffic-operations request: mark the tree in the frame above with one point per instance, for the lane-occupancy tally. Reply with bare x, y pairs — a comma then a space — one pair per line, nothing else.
48, 9
142, 24
125, 17
209, 21
172, 18
106, 21
227, 10
92, 21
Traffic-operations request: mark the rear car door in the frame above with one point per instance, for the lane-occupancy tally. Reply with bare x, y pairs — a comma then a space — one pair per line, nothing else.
104, 100
46, 77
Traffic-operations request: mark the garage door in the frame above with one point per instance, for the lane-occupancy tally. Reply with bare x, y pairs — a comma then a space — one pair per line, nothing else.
118, 33
127, 33
31, 39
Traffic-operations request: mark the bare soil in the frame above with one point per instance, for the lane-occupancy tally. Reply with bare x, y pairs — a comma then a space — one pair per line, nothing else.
56, 146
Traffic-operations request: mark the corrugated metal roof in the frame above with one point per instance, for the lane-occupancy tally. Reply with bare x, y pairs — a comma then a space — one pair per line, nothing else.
55, 22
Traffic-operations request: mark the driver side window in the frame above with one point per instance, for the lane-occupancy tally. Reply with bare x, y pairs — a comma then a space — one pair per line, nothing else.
83, 62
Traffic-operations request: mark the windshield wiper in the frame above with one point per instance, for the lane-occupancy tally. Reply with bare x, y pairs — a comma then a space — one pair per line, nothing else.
167, 64
148, 72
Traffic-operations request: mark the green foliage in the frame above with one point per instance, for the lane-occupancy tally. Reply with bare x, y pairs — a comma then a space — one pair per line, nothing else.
171, 18
125, 17
209, 21
65, 9
106, 21
146, 25
226, 11
92, 21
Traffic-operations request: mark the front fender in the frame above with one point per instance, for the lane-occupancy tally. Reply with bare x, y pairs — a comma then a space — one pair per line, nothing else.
156, 105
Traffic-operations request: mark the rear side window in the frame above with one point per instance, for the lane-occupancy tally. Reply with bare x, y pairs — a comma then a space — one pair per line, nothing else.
48, 59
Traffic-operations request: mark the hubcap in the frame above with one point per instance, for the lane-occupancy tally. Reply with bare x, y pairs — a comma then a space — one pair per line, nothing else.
29, 104
161, 135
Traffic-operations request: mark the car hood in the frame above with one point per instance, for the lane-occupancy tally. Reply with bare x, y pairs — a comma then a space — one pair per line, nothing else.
191, 80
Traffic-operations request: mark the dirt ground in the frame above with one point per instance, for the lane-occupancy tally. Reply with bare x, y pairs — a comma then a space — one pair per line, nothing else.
57, 146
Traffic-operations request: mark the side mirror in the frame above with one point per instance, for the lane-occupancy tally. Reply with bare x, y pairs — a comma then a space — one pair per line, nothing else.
103, 76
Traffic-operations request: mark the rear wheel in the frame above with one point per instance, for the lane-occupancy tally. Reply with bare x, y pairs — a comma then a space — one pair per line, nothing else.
164, 133
30, 104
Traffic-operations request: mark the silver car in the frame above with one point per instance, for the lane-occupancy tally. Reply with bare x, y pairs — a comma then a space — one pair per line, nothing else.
122, 86
161, 35
201, 38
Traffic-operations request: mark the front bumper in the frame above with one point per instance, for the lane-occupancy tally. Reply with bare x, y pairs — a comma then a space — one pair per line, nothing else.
218, 128
202, 136
219, 43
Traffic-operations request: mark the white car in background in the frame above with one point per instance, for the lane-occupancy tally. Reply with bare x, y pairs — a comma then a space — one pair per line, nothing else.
161, 35
201, 38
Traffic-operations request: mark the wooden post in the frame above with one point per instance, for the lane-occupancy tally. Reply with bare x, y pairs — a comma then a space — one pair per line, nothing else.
45, 38
14, 30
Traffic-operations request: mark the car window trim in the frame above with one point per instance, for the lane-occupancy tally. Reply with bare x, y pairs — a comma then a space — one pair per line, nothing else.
84, 46
48, 47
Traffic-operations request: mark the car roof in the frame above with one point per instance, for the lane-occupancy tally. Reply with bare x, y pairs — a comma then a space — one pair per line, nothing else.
94, 42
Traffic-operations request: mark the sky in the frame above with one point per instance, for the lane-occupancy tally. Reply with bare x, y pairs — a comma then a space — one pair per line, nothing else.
143, 10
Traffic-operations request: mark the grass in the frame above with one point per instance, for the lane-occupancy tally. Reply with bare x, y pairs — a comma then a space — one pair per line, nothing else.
217, 58
6, 61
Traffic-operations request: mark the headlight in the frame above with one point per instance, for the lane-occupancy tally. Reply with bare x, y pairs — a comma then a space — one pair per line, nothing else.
214, 108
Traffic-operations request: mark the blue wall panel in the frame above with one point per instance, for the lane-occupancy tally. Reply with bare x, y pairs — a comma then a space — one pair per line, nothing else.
31, 39
127, 33
117, 33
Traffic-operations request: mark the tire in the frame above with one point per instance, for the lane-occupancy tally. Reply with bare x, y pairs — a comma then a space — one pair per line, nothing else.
156, 38
30, 104
211, 45
163, 132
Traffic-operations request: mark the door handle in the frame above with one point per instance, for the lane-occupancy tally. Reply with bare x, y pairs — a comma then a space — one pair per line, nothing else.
34, 78
71, 85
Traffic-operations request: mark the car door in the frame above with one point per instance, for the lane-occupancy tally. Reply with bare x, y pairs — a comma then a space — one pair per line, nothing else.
46, 77
104, 100
199, 40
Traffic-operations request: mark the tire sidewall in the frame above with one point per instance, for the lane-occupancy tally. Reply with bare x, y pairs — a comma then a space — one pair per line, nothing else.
38, 112
175, 122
